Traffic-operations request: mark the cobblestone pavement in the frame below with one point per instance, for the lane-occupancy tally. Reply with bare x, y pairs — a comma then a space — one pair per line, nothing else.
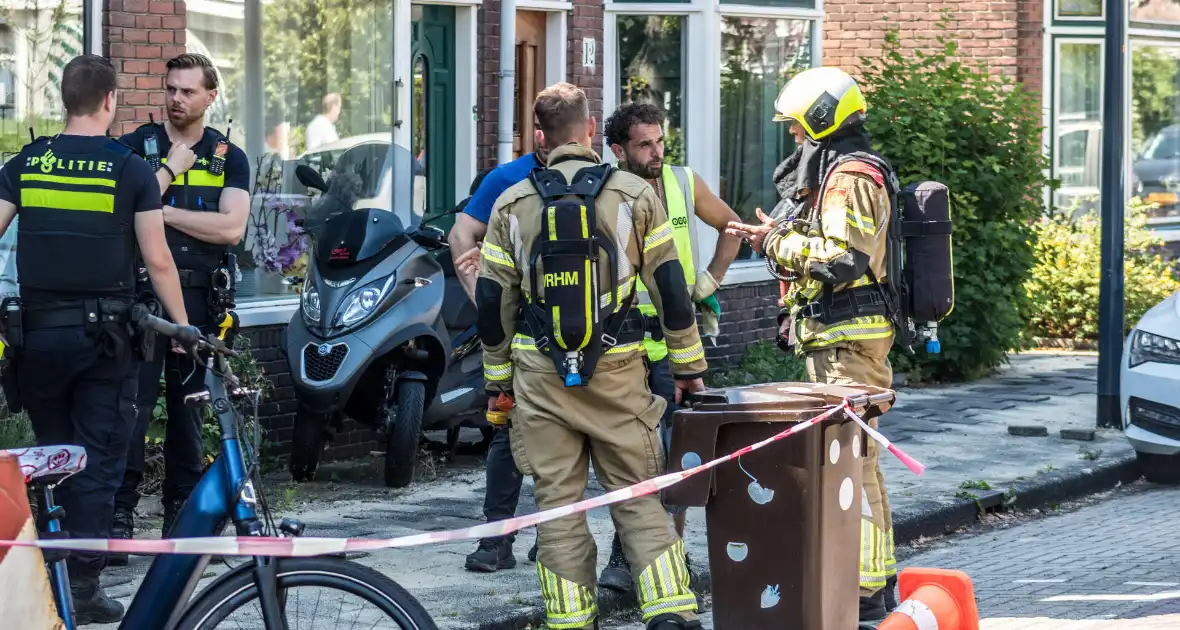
958, 431
1114, 565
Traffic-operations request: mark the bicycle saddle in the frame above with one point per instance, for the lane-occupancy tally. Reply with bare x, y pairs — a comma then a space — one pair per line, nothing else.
49, 464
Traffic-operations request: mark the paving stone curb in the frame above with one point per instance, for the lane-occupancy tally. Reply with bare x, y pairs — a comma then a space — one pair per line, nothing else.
928, 518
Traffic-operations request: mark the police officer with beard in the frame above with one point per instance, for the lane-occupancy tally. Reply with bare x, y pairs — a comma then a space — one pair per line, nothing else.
206, 182
85, 203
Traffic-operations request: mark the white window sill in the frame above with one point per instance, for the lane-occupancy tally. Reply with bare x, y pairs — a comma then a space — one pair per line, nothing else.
746, 272
267, 312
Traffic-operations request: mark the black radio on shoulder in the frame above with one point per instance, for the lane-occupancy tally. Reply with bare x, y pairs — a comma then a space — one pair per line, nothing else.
151, 147
217, 164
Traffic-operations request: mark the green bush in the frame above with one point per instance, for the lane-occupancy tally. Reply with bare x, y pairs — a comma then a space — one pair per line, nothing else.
762, 363
937, 118
1064, 284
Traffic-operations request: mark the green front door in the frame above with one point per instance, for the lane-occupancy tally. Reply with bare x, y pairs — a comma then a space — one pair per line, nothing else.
433, 111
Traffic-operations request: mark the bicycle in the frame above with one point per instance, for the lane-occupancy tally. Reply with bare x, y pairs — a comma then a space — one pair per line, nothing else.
227, 492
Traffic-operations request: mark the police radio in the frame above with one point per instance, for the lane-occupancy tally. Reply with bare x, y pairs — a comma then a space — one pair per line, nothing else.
225, 282
151, 147
217, 165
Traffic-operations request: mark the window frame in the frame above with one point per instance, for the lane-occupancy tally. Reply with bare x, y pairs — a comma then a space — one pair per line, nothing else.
1055, 12
701, 114
1055, 104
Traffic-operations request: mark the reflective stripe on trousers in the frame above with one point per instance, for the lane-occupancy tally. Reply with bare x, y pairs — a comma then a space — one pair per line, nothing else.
568, 606
663, 585
875, 556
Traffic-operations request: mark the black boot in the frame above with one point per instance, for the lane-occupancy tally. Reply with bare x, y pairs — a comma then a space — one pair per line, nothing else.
492, 555
171, 511
891, 594
91, 603
617, 574
123, 528
533, 553
668, 621
873, 608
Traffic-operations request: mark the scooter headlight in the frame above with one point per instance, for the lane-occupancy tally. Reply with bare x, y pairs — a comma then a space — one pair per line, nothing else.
363, 302
310, 301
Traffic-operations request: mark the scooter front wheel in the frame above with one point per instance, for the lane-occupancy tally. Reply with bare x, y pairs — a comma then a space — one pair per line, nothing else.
307, 445
401, 453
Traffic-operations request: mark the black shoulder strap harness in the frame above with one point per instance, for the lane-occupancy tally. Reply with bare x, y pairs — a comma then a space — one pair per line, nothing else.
573, 325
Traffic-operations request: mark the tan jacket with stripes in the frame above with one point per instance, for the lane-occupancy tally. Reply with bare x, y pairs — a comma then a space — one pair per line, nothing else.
630, 216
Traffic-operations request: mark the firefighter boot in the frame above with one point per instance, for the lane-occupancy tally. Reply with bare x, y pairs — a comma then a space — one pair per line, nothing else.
123, 528
492, 555
873, 608
91, 603
890, 594
617, 574
668, 621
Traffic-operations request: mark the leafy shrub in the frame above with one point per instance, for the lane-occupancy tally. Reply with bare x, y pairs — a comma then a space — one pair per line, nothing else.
937, 118
1064, 284
762, 363
15, 430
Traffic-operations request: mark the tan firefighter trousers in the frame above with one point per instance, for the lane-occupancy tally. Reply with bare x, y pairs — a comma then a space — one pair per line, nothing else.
612, 422
865, 363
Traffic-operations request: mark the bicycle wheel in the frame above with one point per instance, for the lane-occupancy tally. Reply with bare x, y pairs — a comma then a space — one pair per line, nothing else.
360, 597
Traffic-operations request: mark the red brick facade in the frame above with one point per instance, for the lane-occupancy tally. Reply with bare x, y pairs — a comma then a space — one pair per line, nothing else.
139, 36
1007, 35
584, 22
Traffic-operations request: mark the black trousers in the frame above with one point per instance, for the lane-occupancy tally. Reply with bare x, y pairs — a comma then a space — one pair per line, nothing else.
504, 480
183, 450
76, 394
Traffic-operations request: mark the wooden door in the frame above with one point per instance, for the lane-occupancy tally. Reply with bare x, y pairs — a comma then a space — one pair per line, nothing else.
530, 76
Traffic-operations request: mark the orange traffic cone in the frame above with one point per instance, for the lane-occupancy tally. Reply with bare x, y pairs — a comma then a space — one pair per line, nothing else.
933, 599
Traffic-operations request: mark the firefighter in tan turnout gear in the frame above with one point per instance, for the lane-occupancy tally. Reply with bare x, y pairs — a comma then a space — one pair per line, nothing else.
831, 241
562, 336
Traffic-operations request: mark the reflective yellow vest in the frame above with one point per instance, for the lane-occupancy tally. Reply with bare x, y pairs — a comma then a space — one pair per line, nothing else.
679, 189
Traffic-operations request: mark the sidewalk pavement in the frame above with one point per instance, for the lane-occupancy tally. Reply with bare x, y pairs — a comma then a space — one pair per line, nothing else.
960, 432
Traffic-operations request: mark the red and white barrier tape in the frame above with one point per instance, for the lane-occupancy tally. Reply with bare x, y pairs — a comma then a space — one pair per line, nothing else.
310, 546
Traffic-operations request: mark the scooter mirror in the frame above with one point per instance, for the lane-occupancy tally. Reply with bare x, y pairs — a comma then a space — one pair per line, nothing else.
310, 178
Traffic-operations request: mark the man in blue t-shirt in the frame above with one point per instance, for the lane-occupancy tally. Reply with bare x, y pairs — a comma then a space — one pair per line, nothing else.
503, 478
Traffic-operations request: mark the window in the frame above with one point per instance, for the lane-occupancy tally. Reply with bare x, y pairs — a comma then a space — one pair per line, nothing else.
758, 56
1155, 11
1155, 126
651, 62
37, 39
304, 82
1078, 124
1079, 8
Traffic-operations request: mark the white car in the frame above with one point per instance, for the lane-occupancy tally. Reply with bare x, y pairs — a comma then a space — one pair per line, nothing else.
1150, 395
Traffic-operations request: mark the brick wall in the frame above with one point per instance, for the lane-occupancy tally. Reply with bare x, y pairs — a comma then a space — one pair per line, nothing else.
586, 23
985, 30
139, 36
749, 314
1030, 41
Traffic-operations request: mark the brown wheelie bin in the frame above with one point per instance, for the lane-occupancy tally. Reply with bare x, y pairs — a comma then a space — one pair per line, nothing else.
783, 521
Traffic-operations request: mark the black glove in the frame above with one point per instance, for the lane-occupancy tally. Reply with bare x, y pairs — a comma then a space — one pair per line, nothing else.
188, 336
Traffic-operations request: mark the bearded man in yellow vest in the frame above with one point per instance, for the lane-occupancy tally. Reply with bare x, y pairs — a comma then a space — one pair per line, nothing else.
635, 134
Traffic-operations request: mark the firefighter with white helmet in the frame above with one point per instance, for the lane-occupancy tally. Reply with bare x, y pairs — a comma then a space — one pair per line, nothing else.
828, 238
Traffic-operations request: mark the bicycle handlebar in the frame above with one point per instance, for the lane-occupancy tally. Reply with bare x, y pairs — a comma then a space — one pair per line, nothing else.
187, 336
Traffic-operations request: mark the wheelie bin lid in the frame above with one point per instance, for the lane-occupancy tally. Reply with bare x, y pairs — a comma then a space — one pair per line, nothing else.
790, 396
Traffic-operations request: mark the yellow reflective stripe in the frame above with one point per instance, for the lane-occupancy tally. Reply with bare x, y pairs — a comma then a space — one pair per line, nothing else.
202, 178
858, 329
625, 347
500, 372
557, 327
62, 179
497, 255
863, 282
523, 342
664, 585
658, 236
67, 200
861, 222
567, 605
695, 352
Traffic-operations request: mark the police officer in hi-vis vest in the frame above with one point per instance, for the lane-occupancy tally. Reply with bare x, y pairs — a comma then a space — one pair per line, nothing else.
635, 133
86, 204
206, 183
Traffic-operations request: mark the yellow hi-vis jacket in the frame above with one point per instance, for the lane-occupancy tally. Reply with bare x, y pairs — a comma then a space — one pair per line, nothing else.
679, 192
